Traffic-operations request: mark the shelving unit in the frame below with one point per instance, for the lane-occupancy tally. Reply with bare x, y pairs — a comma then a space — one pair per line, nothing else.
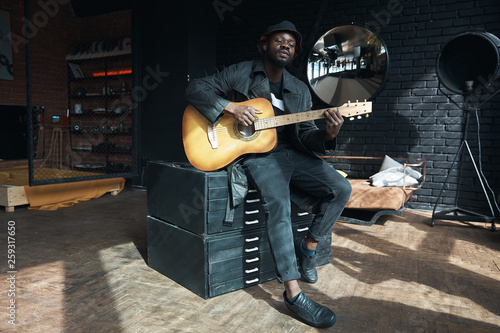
100, 111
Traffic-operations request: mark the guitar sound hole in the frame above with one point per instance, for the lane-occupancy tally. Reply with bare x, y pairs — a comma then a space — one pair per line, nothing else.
246, 131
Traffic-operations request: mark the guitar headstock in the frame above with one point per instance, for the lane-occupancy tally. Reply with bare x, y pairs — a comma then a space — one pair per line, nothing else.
355, 110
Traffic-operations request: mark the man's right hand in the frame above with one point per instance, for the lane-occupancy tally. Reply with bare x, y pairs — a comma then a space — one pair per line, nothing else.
244, 114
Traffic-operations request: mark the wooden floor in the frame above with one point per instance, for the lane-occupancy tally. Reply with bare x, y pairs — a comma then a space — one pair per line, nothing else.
83, 269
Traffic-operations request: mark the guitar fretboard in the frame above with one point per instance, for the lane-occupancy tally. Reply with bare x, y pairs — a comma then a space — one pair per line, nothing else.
288, 119
346, 110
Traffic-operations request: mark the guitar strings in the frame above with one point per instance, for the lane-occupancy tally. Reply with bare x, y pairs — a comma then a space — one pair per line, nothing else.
277, 121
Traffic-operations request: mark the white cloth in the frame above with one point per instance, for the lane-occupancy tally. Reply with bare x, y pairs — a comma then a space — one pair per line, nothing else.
392, 174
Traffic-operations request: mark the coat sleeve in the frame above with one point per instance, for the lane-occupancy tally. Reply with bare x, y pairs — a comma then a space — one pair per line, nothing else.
207, 94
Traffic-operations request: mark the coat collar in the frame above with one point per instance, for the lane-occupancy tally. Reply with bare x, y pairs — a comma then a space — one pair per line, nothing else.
288, 79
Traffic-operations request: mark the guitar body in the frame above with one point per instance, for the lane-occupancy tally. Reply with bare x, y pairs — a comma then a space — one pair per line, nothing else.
211, 147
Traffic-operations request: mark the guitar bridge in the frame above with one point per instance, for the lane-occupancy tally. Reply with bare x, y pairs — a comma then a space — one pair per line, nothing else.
212, 136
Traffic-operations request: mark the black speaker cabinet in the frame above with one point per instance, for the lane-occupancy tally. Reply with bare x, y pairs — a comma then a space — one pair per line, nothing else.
188, 242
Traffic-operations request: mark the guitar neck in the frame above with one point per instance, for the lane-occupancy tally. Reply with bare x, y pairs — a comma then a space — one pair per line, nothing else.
288, 119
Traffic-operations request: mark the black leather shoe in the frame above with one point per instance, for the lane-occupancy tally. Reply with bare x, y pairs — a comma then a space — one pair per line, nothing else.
307, 264
311, 312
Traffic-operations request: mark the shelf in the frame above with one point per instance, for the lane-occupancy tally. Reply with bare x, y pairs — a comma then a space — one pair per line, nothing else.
82, 149
99, 96
94, 150
110, 167
86, 79
98, 55
90, 114
109, 133
117, 152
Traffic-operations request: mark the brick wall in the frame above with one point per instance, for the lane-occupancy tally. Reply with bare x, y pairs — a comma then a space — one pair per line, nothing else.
14, 92
54, 28
411, 118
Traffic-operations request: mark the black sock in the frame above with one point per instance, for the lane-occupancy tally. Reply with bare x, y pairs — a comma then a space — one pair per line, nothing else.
291, 301
306, 251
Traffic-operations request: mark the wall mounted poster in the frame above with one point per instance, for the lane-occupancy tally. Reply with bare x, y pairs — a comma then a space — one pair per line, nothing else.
6, 71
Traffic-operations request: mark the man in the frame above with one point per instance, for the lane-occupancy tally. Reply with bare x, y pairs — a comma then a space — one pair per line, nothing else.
293, 164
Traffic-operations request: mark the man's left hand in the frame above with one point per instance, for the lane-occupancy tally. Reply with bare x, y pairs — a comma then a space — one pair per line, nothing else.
334, 122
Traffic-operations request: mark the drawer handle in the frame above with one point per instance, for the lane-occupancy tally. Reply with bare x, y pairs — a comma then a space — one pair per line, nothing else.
252, 191
248, 271
253, 249
252, 281
303, 229
252, 200
248, 240
251, 222
251, 211
302, 214
252, 260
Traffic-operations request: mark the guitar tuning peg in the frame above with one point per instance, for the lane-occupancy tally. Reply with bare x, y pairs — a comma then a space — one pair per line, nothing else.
356, 101
359, 117
351, 119
367, 115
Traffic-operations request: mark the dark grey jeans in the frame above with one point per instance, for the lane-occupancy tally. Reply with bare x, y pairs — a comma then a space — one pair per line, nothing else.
274, 175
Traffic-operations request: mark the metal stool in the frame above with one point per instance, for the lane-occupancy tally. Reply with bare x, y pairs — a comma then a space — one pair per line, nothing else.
57, 145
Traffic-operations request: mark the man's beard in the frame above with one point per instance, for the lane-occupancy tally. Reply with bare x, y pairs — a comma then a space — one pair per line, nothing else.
273, 58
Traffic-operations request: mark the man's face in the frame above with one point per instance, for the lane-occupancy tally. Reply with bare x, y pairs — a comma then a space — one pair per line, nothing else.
280, 48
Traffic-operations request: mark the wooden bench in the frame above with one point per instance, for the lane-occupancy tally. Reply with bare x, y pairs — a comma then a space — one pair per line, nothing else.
368, 203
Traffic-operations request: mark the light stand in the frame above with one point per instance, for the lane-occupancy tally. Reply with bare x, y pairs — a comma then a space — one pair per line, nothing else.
466, 62
456, 213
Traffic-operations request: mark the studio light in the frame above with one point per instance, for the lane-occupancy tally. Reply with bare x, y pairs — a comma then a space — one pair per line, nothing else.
469, 61
466, 64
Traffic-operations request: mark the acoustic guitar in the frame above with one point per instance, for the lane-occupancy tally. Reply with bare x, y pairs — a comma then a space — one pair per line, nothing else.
211, 147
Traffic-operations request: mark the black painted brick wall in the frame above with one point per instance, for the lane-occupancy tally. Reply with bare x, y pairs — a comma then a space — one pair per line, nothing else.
411, 118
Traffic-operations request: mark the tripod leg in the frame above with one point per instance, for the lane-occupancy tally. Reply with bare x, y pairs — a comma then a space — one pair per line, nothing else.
480, 179
446, 182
